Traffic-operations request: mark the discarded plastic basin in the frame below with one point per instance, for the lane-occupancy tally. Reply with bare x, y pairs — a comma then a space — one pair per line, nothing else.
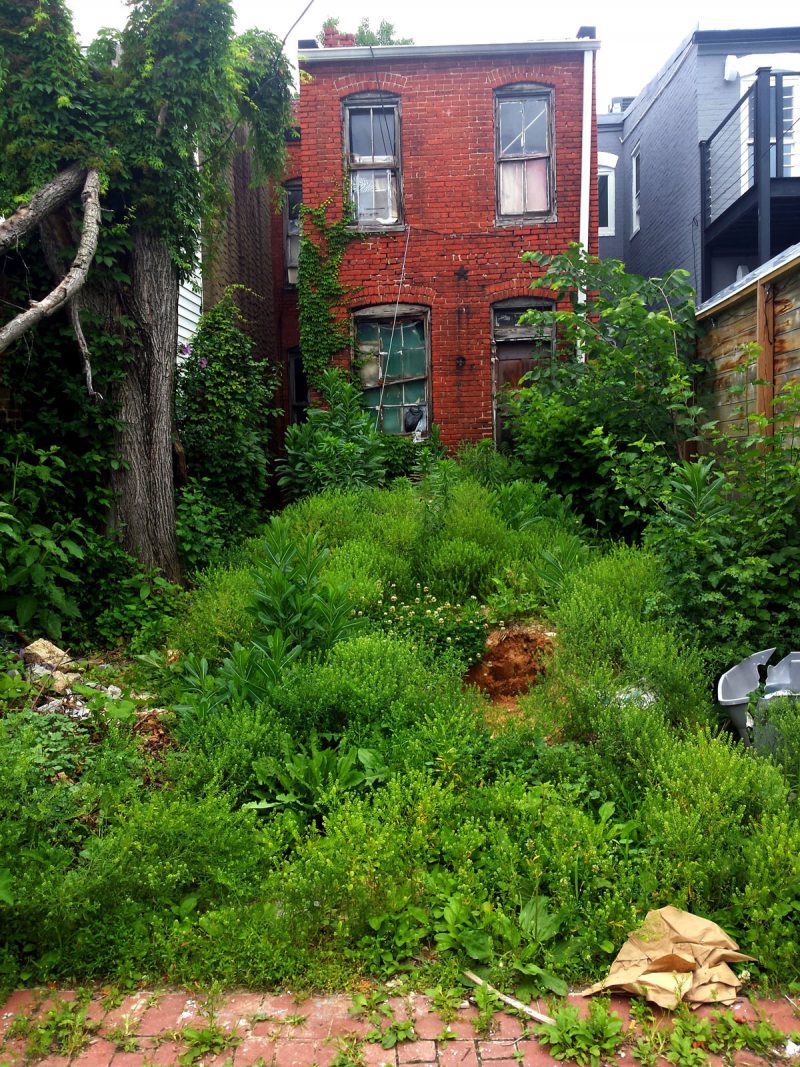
737, 684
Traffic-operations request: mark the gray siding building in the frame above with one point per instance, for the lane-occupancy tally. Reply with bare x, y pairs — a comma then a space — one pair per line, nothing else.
702, 169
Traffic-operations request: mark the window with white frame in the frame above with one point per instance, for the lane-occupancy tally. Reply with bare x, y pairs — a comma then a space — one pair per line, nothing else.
636, 185
391, 356
372, 139
291, 229
524, 153
606, 193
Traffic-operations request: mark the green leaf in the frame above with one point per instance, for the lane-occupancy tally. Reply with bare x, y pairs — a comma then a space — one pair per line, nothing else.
6, 881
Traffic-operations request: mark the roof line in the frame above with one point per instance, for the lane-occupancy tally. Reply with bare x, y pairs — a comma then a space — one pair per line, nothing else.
767, 272
313, 56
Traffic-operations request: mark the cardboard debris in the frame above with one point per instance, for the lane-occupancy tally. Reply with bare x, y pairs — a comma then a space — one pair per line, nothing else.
676, 956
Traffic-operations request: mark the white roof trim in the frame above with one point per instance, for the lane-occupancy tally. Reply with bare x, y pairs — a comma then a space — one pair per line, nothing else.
311, 56
777, 265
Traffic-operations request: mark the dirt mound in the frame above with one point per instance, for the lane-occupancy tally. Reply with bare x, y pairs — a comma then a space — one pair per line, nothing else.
513, 661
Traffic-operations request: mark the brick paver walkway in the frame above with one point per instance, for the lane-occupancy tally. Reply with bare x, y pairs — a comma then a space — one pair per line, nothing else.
167, 1028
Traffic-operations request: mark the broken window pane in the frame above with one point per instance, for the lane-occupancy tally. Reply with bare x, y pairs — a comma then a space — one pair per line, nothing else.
523, 154
375, 196
400, 403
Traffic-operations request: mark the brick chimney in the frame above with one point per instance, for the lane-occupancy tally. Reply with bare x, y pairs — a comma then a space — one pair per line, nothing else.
334, 39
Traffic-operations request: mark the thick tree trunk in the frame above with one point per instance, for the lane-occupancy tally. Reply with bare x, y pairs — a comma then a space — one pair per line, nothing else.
144, 504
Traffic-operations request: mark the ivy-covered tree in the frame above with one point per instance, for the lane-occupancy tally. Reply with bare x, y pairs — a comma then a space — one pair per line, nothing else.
110, 159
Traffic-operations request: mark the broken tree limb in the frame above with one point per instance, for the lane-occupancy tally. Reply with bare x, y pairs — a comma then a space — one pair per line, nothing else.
75, 319
75, 277
45, 201
511, 1001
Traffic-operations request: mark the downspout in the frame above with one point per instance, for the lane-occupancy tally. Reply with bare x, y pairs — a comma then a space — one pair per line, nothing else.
586, 161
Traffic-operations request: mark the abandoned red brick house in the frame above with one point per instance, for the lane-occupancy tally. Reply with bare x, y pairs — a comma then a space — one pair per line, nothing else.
455, 160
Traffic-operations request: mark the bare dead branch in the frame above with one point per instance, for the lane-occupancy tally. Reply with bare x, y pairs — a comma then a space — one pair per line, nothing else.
75, 319
512, 1001
75, 277
42, 203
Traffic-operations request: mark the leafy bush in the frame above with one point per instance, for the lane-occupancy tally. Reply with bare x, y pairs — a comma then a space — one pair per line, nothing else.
218, 613
440, 626
292, 597
631, 383
728, 536
38, 570
337, 446
222, 406
201, 526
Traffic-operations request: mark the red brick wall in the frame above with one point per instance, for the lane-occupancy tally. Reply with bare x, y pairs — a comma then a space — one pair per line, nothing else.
449, 203
240, 255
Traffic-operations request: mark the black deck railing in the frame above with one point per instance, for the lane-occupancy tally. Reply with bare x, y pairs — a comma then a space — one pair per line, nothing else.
757, 139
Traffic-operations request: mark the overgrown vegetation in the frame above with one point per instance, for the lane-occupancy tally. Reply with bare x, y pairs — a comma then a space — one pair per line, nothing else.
329, 799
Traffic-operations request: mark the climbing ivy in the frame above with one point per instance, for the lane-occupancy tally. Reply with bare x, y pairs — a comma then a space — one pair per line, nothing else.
323, 334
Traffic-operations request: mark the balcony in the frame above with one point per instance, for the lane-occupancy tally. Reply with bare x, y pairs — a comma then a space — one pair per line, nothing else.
750, 172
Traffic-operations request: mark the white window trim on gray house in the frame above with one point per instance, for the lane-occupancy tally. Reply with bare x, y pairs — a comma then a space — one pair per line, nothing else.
636, 190
606, 168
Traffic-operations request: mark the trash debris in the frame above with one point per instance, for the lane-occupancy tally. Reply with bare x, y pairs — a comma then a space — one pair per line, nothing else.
55, 680
737, 685
675, 956
791, 1048
47, 654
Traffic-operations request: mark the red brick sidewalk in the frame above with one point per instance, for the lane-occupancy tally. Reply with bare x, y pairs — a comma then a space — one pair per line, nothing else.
245, 1029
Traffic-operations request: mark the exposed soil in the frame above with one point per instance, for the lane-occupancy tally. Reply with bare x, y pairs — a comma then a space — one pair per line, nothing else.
151, 729
514, 659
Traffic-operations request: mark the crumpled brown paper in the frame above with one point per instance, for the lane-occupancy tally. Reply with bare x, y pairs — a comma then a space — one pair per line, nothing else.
675, 956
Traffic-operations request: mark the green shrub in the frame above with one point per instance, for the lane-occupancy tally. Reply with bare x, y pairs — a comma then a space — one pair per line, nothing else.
706, 795
457, 569
39, 566
776, 733
481, 460
293, 599
764, 911
631, 384
222, 406
221, 748
201, 526
337, 446
218, 614
337, 515
373, 682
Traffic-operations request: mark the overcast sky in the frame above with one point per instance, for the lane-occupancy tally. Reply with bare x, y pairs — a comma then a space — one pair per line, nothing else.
637, 38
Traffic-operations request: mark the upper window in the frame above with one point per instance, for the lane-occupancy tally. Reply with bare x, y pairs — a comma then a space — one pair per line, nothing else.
291, 229
606, 193
636, 183
391, 358
523, 152
372, 129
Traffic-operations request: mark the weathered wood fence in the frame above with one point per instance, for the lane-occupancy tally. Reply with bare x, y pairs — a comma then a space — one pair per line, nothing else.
763, 310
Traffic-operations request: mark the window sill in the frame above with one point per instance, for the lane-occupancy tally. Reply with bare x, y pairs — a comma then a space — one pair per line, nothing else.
606, 231
394, 227
520, 221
